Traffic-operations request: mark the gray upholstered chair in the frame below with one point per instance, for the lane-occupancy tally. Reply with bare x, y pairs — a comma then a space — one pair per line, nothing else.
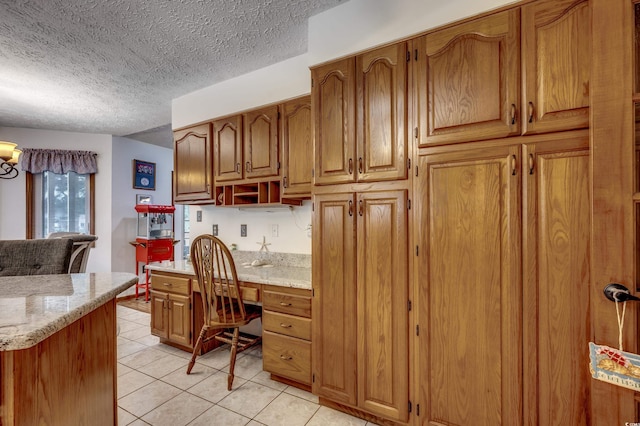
81, 246
35, 257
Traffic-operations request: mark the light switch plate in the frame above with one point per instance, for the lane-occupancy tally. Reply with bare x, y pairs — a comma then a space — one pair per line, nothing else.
199, 216
214, 231
243, 230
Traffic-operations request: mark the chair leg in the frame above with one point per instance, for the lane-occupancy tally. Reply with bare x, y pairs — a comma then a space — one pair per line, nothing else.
196, 349
234, 351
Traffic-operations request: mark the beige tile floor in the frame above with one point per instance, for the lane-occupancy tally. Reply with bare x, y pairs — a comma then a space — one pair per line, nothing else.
154, 389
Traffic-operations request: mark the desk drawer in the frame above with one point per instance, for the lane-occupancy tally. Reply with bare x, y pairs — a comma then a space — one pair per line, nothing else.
287, 303
287, 357
287, 324
171, 284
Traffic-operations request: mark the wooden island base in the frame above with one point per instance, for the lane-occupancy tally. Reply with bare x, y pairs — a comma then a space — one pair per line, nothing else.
67, 379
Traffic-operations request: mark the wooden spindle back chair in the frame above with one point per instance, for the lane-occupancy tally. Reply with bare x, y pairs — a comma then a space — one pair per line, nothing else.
224, 310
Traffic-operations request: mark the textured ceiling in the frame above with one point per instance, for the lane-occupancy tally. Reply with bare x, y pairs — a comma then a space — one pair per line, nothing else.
113, 66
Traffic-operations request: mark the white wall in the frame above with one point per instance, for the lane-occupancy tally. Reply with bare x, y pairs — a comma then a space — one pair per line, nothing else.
362, 24
124, 216
12, 192
115, 196
293, 227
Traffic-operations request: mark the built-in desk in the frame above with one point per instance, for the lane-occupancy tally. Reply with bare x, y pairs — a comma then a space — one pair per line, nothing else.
283, 291
58, 348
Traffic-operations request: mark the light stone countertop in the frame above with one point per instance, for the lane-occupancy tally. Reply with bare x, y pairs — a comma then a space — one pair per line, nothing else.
278, 275
34, 307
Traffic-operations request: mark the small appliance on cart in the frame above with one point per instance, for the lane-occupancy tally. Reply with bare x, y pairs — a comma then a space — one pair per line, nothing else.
154, 240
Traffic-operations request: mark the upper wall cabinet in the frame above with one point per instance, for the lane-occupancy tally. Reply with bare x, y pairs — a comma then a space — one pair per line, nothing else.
360, 109
333, 103
193, 168
296, 134
261, 142
227, 136
469, 85
381, 82
556, 54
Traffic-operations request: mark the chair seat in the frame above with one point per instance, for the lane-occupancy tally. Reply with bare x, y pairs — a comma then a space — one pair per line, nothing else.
253, 312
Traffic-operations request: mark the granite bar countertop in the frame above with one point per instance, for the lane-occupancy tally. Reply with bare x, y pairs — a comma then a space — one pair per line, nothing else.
34, 307
283, 271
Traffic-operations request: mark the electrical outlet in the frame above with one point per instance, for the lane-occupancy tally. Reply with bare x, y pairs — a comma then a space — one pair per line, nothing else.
243, 230
199, 216
215, 230
274, 230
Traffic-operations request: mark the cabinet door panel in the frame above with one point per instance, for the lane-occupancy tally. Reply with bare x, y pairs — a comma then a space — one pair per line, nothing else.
193, 164
557, 276
470, 288
469, 84
179, 319
334, 300
297, 147
227, 135
261, 142
556, 56
159, 325
383, 318
333, 106
382, 109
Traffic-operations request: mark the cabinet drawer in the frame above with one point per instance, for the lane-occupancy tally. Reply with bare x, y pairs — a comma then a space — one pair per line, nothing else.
287, 357
287, 303
287, 324
171, 284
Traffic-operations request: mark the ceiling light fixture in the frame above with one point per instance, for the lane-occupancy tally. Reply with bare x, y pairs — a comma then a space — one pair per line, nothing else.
9, 155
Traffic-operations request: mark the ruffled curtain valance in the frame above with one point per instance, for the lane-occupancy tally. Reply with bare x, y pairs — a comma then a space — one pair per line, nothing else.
58, 161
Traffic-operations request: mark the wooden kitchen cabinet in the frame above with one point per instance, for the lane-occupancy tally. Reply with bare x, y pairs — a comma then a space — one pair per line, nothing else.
468, 80
260, 143
556, 58
333, 104
296, 134
227, 137
478, 307
171, 317
193, 165
360, 117
360, 316
286, 335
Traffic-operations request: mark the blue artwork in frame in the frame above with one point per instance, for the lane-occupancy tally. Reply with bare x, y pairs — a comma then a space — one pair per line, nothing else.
144, 175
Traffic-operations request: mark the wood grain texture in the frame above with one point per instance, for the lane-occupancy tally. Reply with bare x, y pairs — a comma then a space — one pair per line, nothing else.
296, 134
470, 342
334, 302
383, 294
381, 81
556, 53
193, 164
68, 379
556, 254
260, 142
468, 82
227, 138
612, 168
333, 110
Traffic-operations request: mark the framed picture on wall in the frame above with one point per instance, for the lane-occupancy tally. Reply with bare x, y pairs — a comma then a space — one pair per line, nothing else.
144, 175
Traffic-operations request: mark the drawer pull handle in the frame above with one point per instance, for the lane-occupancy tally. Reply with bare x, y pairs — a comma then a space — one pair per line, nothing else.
283, 325
167, 284
285, 304
286, 357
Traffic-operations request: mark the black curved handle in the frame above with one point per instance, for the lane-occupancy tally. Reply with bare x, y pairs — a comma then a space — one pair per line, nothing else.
619, 293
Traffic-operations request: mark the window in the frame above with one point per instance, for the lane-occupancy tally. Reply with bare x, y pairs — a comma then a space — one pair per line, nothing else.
60, 203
